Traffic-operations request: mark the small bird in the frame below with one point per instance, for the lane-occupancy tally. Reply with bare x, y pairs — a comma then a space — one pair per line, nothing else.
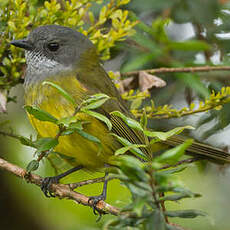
69, 59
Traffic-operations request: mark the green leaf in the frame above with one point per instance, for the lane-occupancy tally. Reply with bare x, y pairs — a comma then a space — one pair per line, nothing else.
32, 166
136, 103
45, 143
73, 127
163, 136
132, 167
136, 151
144, 120
95, 104
78, 125
175, 170
129, 121
65, 94
139, 205
95, 98
141, 25
67, 132
99, 117
66, 121
89, 136
26, 141
193, 45
145, 41
158, 220
185, 213
40, 114
193, 81
171, 156
127, 148
177, 197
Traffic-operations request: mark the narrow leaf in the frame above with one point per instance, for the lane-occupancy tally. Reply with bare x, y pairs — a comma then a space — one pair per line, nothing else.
88, 136
185, 213
45, 143
175, 170
144, 120
99, 117
95, 104
95, 98
127, 148
136, 103
40, 114
66, 121
136, 151
65, 94
32, 166
177, 197
172, 155
26, 141
159, 220
73, 127
129, 121
163, 136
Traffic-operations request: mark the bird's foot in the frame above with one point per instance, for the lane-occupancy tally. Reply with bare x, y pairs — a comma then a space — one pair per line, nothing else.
46, 185
93, 201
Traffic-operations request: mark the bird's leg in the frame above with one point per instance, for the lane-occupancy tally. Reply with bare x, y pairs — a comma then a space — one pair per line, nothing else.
48, 181
95, 199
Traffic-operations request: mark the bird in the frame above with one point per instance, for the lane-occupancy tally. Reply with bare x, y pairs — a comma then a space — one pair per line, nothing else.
69, 59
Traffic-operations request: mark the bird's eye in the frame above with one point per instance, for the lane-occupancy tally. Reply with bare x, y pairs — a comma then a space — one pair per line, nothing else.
53, 46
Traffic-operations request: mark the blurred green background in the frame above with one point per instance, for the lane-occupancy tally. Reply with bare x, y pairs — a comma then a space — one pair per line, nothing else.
170, 34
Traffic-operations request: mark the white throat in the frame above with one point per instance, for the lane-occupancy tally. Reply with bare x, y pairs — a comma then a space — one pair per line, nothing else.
40, 67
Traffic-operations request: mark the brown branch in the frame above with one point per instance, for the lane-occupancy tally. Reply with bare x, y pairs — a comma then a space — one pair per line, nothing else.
178, 70
65, 191
60, 190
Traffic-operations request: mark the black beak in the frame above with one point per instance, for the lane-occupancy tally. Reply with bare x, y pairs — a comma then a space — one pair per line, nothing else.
22, 44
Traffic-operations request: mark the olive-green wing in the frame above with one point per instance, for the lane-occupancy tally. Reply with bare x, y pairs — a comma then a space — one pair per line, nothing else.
99, 82
201, 150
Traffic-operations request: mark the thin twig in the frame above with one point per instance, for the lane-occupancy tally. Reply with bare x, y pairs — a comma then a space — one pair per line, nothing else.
178, 70
160, 205
9, 134
87, 182
60, 190
186, 161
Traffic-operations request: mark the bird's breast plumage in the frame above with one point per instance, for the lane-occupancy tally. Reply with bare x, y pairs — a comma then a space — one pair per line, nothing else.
49, 99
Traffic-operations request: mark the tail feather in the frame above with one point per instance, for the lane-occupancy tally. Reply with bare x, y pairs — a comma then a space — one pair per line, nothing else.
201, 150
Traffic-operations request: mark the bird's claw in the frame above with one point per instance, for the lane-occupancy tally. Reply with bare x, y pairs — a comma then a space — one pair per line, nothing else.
93, 201
46, 186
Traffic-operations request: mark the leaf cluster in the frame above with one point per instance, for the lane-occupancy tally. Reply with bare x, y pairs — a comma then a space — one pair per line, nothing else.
151, 187
215, 101
182, 34
18, 18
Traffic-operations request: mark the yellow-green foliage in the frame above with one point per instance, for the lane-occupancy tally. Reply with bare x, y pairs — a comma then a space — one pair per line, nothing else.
18, 17
215, 101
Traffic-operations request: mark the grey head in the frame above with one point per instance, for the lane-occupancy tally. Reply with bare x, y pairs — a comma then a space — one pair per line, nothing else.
52, 50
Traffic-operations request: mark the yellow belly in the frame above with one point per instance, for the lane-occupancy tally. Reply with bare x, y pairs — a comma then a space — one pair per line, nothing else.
86, 153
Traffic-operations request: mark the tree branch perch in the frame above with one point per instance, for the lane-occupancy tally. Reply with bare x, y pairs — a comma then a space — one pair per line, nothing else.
60, 190
178, 70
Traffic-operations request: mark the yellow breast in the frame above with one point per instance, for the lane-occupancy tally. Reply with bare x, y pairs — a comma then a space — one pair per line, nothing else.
86, 153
